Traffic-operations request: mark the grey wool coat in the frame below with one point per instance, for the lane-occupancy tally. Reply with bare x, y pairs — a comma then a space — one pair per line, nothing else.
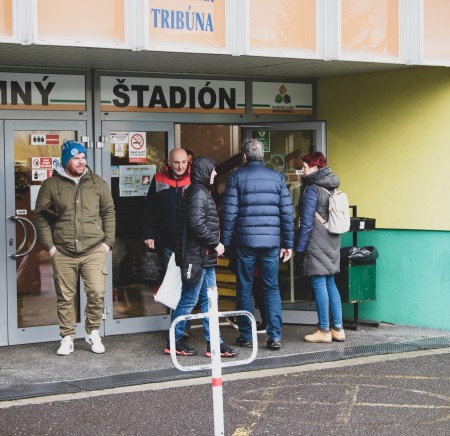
320, 249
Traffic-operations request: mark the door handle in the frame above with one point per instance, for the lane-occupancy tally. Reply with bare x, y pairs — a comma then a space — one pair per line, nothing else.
20, 220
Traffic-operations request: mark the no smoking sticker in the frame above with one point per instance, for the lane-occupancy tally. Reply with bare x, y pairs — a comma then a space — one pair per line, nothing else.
137, 147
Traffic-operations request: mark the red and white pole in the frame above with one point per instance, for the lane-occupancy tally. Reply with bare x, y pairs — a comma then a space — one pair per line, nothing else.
216, 365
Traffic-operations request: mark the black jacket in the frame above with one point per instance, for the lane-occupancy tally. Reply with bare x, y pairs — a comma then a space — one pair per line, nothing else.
198, 221
161, 207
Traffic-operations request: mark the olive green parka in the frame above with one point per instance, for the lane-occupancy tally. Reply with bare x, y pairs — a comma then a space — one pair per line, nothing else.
86, 214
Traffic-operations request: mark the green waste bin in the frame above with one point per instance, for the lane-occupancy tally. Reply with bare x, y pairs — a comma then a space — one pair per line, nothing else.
357, 279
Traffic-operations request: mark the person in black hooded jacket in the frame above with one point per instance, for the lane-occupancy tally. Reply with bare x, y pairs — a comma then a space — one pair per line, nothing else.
198, 246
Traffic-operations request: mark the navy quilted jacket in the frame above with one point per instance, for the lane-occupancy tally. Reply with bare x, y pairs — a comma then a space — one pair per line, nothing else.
257, 209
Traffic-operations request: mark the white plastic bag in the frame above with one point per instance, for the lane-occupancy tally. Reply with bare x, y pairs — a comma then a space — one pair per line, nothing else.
169, 292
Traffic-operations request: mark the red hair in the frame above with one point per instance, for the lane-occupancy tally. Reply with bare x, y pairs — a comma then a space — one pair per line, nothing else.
316, 159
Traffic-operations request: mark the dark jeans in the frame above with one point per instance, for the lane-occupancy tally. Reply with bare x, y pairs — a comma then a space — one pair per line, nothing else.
258, 296
267, 260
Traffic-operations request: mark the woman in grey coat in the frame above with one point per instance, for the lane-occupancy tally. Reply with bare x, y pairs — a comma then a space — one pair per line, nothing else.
318, 251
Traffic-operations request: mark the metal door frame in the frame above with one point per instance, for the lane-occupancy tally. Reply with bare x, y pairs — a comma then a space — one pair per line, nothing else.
3, 256
295, 316
24, 335
137, 324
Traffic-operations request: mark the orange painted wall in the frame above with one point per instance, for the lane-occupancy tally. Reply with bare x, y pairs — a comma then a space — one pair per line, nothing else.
81, 20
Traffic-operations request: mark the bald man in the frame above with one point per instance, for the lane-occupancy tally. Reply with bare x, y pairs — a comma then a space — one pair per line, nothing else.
162, 203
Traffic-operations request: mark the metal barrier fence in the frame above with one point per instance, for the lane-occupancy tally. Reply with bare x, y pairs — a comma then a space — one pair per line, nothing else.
216, 363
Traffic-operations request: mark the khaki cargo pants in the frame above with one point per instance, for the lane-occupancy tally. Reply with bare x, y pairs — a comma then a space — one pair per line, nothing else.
66, 272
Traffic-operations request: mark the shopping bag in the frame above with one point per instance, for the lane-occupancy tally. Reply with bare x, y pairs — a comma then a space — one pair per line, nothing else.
169, 292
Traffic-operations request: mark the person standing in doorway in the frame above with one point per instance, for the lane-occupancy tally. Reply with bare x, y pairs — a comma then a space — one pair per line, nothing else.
75, 223
162, 204
163, 201
257, 216
197, 249
317, 250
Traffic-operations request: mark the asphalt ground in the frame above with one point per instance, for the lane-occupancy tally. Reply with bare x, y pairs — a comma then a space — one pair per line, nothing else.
32, 369
394, 394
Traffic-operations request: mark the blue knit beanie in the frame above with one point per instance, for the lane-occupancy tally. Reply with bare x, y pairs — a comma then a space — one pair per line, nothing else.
70, 149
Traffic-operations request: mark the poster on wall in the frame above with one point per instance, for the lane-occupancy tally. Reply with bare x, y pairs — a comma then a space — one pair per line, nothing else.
263, 137
275, 162
137, 147
42, 167
134, 180
118, 137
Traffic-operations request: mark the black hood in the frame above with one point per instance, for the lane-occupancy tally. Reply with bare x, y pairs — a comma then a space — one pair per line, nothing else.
201, 170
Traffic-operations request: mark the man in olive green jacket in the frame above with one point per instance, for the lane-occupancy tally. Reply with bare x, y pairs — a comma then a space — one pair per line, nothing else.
75, 223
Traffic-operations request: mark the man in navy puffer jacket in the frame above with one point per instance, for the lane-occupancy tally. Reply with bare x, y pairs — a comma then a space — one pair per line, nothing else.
258, 219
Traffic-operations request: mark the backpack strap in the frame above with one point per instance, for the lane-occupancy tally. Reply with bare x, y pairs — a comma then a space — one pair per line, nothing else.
319, 217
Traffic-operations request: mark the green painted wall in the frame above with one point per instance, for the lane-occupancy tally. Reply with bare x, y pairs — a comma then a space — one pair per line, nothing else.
389, 142
413, 278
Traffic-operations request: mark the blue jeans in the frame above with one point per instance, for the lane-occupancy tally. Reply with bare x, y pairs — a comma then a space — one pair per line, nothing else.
167, 253
190, 294
327, 296
267, 260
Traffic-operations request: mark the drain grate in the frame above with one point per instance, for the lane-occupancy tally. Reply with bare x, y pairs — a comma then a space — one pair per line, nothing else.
162, 375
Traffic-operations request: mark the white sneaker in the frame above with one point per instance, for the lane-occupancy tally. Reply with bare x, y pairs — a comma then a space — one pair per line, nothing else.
96, 342
66, 346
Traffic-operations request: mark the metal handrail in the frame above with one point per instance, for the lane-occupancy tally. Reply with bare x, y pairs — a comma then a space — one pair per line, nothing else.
206, 315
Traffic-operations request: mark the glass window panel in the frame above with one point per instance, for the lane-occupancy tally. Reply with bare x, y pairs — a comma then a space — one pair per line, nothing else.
36, 296
137, 272
436, 35
6, 20
370, 27
284, 156
82, 21
212, 140
283, 25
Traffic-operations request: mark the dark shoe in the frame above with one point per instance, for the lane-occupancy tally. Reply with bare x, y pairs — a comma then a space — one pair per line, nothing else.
182, 349
273, 345
243, 342
260, 327
225, 351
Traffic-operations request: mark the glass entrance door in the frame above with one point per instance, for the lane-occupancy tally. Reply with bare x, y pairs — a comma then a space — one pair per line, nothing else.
31, 150
284, 144
135, 151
